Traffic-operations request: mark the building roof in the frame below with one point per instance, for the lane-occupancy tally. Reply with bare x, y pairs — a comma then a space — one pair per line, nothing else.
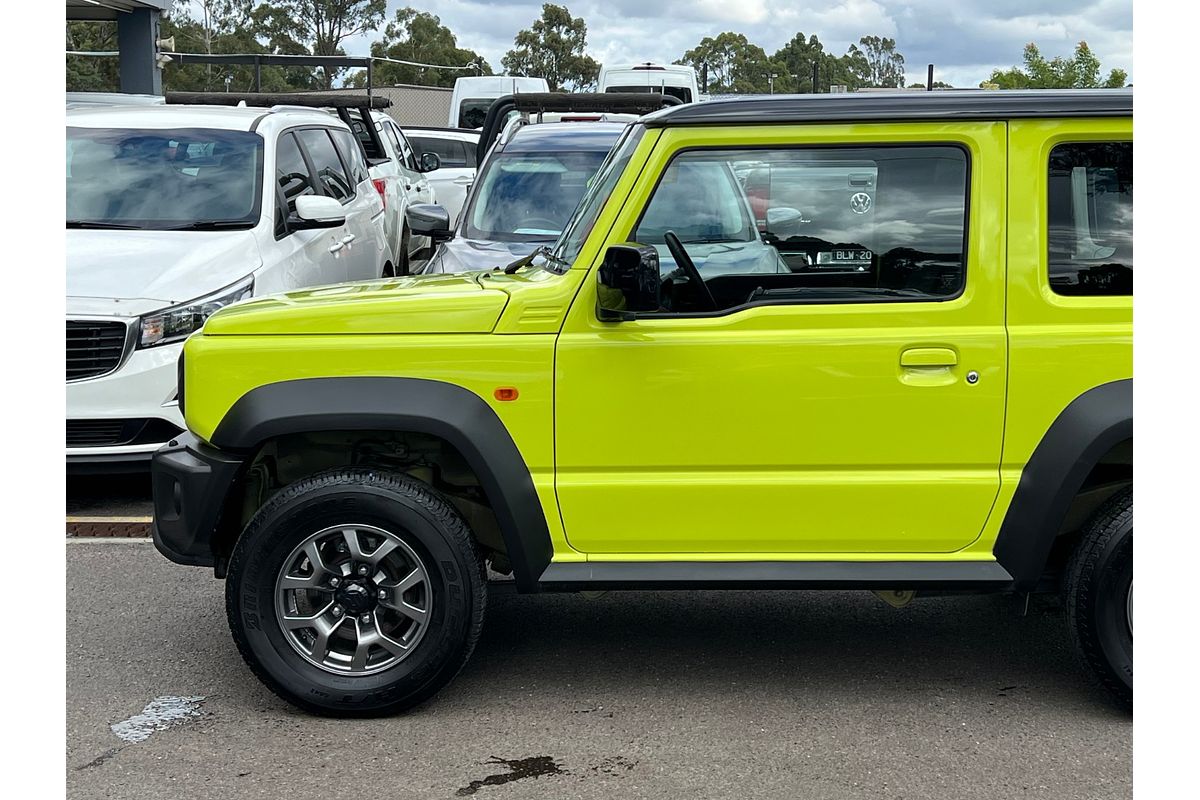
111, 9
899, 106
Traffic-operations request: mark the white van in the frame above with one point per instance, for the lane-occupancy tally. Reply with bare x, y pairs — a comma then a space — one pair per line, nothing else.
676, 80
472, 96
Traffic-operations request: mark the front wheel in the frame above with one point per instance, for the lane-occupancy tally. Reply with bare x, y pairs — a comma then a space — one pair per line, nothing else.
356, 592
1099, 596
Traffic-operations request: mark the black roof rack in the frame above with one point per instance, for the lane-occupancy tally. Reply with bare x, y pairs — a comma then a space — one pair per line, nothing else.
561, 102
900, 106
372, 147
268, 99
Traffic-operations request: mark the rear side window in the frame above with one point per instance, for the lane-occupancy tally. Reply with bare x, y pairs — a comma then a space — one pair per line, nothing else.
469, 150
1090, 219
331, 174
351, 155
450, 151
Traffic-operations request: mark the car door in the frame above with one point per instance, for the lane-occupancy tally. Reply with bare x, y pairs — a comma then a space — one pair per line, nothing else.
416, 185
453, 178
351, 254
373, 246
299, 258
843, 391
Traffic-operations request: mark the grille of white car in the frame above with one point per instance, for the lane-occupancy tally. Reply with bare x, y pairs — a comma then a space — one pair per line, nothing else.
94, 348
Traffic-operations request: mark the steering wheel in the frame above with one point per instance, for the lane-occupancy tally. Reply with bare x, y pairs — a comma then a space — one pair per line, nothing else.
688, 267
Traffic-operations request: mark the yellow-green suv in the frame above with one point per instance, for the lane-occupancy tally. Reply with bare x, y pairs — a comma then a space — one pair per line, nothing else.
871, 341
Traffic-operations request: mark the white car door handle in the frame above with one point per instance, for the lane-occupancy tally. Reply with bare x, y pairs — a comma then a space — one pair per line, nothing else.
335, 247
463, 180
348, 238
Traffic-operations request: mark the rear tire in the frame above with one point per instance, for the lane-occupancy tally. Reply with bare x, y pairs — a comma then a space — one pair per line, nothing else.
440, 623
1099, 596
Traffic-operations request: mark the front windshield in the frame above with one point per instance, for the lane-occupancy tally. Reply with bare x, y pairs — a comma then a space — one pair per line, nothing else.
682, 93
567, 248
528, 197
163, 179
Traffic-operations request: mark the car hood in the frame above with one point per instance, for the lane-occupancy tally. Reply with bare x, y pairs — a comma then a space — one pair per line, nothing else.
131, 272
411, 304
468, 255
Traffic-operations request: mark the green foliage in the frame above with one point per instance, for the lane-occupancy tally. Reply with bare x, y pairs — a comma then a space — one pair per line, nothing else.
89, 73
222, 26
420, 36
1080, 71
735, 65
316, 26
884, 65
553, 48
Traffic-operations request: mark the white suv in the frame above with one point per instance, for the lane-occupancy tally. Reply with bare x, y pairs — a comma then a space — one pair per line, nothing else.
174, 212
455, 149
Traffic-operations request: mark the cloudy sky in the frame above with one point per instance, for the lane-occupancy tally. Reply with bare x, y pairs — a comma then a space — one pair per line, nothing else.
965, 39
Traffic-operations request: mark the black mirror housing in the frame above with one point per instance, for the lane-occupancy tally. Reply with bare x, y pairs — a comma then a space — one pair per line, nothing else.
428, 162
429, 220
629, 282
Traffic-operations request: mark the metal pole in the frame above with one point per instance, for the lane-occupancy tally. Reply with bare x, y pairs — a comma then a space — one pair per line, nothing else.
370, 74
257, 74
929, 80
814, 77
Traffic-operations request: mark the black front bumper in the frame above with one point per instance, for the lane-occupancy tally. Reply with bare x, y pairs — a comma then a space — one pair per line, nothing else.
191, 483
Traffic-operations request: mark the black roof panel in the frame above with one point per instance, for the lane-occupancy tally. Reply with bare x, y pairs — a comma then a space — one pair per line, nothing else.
899, 106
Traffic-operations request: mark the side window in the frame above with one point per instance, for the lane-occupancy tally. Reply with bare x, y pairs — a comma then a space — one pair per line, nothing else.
331, 175
448, 150
1090, 219
811, 225
390, 132
292, 176
468, 149
351, 154
410, 158
363, 135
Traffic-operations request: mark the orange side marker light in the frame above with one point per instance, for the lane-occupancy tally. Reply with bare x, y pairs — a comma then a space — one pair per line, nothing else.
506, 393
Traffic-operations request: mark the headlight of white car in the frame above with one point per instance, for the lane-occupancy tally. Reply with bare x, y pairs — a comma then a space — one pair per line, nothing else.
178, 322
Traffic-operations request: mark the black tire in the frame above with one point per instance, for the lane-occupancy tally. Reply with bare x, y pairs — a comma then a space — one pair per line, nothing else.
1099, 580
414, 512
402, 265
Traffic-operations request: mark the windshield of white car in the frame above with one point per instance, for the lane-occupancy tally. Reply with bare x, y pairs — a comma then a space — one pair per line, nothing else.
529, 196
185, 179
681, 92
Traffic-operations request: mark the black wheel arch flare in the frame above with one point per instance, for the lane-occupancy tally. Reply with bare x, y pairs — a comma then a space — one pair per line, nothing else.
1090, 426
450, 412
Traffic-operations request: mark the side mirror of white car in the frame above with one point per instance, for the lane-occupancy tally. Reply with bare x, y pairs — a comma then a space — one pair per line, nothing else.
317, 211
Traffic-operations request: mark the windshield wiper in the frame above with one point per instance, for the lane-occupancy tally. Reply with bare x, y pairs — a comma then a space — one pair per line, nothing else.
525, 261
101, 226
210, 225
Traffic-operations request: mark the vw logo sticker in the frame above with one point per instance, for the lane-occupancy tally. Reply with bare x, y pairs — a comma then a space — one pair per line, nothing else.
860, 202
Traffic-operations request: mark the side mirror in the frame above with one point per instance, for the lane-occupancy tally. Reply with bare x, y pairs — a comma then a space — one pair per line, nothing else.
629, 282
317, 211
429, 162
429, 220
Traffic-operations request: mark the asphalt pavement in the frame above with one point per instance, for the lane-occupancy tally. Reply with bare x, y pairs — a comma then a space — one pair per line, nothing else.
632, 695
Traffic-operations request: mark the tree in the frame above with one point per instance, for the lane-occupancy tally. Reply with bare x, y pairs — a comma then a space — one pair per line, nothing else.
1080, 71
734, 65
222, 26
799, 54
420, 36
884, 65
316, 26
553, 48
92, 73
